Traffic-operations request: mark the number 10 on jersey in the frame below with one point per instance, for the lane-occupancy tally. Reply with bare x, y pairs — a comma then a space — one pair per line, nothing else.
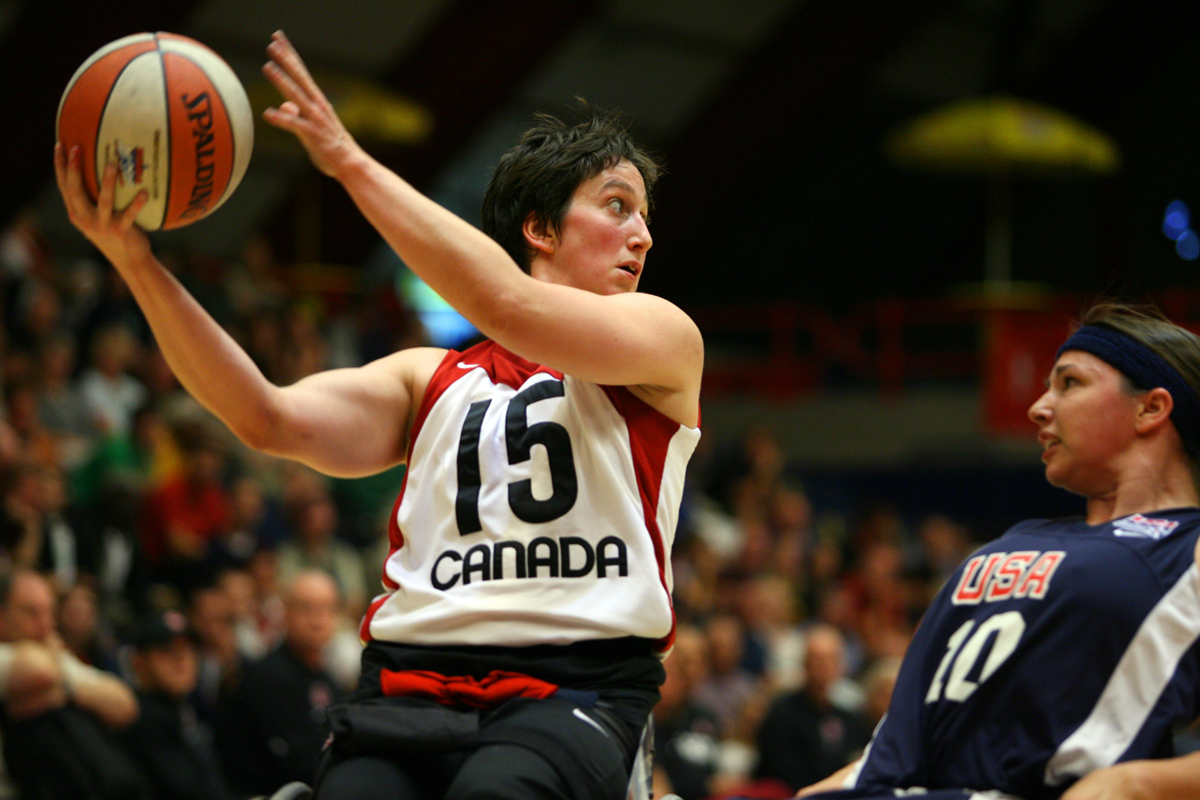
1005, 628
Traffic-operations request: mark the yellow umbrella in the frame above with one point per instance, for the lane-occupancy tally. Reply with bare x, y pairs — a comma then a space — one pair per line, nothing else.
999, 137
370, 111
1005, 134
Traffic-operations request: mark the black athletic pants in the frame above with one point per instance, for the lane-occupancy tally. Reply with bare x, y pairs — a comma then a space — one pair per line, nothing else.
529, 750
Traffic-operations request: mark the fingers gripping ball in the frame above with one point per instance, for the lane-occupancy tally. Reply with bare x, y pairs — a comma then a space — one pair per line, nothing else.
172, 115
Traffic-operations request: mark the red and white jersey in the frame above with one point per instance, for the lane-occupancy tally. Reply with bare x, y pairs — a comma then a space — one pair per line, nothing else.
537, 509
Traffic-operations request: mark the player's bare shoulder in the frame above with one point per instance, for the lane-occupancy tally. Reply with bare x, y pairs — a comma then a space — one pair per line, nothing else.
412, 368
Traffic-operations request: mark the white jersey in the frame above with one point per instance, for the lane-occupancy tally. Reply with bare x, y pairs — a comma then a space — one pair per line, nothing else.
537, 509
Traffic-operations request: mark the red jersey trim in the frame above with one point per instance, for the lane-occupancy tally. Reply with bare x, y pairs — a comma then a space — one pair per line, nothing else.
650, 435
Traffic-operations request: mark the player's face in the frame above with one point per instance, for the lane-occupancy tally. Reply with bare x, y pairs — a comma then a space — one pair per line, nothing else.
1085, 424
602, 243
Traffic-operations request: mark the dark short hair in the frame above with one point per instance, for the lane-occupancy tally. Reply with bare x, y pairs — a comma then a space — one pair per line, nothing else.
542, 172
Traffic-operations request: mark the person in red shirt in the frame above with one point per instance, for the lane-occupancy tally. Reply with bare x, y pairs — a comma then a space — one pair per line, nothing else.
187, 512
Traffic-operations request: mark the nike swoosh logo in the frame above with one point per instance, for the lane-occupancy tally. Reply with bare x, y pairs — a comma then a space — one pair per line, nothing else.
589, 721
467, 366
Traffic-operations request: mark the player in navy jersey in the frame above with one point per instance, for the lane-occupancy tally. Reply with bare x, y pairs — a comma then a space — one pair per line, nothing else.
1058, 659
516, 649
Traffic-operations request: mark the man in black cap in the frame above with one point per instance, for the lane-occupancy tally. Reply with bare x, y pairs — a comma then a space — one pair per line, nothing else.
173, 746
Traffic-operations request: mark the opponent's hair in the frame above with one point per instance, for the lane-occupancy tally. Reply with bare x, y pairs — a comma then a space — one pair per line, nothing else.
541, 173
1148, 326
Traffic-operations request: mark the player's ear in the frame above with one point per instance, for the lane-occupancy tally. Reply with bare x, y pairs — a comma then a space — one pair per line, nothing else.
538, 233
1154, 409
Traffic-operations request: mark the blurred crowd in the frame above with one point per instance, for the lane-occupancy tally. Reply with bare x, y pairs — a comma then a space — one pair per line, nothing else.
176, 611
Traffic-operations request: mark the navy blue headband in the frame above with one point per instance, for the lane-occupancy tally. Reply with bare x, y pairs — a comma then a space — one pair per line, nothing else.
1146, 370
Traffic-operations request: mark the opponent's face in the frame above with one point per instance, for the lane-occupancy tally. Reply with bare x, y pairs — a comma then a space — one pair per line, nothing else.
1085, 424
602, 243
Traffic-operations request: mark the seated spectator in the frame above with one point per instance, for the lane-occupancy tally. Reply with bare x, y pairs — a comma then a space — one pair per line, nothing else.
212, 618
54, 709
186, 514
804, 736
82, 629
686, 737
121, 580
66, 555
110, 391
878, 683
314, 545
171, 743
251, 636
22, 530
728, 688
271, 729
60, 404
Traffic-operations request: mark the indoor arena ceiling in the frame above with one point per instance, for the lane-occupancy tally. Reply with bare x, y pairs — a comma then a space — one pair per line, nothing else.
771, 116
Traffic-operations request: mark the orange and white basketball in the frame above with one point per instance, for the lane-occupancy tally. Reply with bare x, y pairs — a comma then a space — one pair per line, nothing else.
172, 115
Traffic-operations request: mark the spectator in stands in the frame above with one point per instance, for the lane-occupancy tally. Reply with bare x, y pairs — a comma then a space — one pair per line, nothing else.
804, 736
878, 683
769, 610
183, 517
315, 545
61, 407
22, 530
67, 556
121, 581
172, 744
942, 544
55, 710
84, 633
686, 736
728, 688
212, 620
37, 442
253, 638
270, 731
111, 392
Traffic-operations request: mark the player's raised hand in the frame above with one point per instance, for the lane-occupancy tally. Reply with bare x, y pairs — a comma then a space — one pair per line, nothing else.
113, 232
306, 112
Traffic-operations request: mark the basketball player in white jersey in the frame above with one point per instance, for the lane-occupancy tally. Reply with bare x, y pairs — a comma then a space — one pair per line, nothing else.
515, 651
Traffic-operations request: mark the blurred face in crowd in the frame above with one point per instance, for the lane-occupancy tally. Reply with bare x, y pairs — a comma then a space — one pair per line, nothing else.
823, 661
238, 585
316, 521
29, 612
78, 614
212, 620
726, 641
674, 690
311, 614
169, 668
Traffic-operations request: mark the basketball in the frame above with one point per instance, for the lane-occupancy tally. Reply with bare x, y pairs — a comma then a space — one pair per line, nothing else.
172, 115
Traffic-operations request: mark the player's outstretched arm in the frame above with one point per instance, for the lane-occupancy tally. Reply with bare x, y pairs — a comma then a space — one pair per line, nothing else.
347, 422
622, 339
